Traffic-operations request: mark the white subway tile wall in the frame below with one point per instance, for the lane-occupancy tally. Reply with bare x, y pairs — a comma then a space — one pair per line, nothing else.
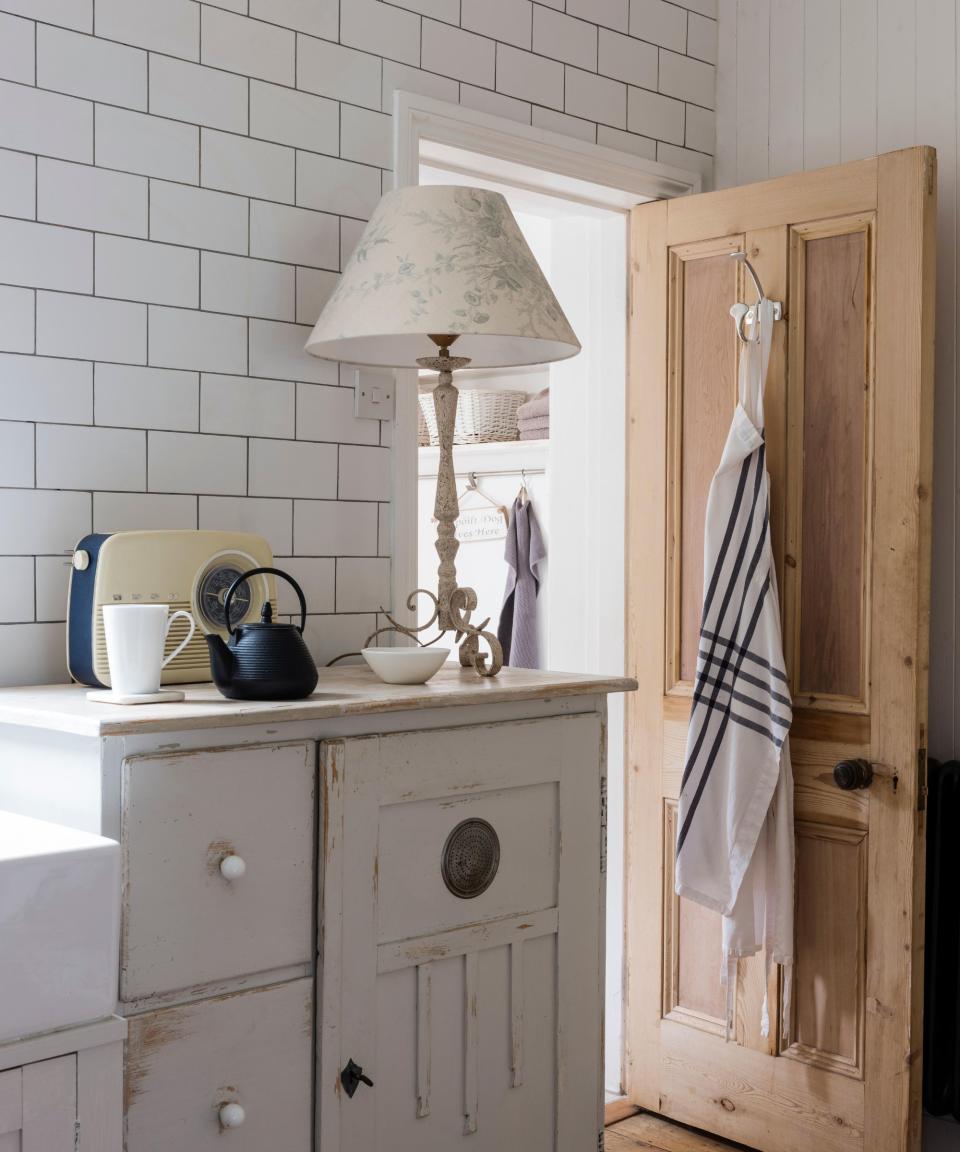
180, 184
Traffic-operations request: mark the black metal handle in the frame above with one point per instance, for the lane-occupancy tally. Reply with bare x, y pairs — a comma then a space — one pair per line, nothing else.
352, 1077
260, 572
853, 774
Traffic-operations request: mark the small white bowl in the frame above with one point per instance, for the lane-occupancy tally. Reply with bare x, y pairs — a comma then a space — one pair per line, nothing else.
405, 665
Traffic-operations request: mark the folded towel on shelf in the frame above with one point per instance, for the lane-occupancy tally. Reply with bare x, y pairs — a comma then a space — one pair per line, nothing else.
537, 406
536, 434
533, 423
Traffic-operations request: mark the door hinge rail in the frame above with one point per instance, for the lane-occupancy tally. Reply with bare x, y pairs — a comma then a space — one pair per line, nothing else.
921, 779
603, 824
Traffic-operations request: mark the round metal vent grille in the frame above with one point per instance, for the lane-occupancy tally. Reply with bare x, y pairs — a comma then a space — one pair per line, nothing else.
471, 857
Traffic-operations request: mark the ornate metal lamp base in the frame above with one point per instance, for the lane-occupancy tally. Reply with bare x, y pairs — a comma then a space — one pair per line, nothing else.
452, 605
468, 636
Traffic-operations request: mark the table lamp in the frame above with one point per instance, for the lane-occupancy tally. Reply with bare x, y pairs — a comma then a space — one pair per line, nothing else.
440, 265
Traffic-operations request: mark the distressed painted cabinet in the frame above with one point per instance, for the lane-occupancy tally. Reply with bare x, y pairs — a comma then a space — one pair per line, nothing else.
369, 920
62, 1091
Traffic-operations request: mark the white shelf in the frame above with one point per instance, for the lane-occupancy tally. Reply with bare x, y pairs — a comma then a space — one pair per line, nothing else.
501, 456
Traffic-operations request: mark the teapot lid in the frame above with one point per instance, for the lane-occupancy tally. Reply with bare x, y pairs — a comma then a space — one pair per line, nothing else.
266, 621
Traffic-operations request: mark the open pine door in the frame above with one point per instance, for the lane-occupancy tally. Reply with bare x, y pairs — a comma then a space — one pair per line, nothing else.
850, 252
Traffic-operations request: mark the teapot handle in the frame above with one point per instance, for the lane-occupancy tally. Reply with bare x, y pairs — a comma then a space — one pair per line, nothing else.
261, 572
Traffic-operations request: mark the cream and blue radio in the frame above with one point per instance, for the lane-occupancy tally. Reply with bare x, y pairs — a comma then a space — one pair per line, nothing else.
191, 570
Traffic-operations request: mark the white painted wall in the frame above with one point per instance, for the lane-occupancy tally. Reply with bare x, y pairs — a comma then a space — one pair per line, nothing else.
806, 83
180, 183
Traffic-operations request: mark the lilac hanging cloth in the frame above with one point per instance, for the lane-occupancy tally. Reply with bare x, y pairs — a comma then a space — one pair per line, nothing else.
517, 631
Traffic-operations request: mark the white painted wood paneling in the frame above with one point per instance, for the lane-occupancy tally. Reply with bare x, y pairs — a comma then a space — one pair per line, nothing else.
897, 74
753, 88
821, 83
848, 79
725, 154
50, 1105
858, 79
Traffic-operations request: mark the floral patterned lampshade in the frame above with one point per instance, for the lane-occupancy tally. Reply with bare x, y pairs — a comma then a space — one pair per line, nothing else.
444, 260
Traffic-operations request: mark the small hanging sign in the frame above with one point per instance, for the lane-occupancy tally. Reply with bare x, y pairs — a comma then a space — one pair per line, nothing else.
481, 524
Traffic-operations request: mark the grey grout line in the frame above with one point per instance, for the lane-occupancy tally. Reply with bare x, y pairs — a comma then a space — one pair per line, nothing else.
196, 186
295, 87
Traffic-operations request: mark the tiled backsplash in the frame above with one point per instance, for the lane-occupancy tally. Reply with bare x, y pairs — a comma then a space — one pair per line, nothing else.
180, 183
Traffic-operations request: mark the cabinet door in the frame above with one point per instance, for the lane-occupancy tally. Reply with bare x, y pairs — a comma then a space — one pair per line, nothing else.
461, 939
11, 1109
38, 1107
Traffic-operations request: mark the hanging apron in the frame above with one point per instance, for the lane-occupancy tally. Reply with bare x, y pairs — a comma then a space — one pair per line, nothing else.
735, 846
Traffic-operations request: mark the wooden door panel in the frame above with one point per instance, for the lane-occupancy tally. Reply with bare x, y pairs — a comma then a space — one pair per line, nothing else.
703, 356
774, 1102
692, 991
832, 301
848, 434
828, 1017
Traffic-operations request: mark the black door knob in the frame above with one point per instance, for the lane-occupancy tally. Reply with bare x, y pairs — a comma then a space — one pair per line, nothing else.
853, 774
352, 1077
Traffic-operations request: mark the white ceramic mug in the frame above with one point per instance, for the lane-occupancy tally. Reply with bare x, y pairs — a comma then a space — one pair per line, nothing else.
136, 634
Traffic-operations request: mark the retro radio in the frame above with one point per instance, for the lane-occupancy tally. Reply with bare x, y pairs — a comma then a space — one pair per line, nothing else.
185, 569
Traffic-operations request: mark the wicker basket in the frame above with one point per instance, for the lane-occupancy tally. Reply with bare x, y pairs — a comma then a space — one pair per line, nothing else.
423, 432
483, 416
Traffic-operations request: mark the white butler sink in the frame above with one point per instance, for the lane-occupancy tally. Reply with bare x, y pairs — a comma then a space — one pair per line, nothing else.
59, 925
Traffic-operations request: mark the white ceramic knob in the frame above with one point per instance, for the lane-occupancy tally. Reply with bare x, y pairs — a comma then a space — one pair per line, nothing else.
232, 1115
81, 560
232, 868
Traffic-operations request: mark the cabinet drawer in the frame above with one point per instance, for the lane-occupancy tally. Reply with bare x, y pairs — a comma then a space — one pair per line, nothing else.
184, 922
252, 1048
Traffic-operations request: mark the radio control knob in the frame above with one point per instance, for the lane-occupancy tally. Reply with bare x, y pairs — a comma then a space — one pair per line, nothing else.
81, 560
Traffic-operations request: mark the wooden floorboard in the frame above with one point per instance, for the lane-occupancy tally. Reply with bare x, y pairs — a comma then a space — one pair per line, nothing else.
617, 1110
653, 1133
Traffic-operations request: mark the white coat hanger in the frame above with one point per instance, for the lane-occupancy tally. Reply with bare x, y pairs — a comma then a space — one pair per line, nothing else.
474, 487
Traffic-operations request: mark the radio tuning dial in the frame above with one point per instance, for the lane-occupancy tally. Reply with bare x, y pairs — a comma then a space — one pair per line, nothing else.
213, 591
81, 560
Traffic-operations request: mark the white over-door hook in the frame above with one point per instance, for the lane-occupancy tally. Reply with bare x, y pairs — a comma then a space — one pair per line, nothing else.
744, 313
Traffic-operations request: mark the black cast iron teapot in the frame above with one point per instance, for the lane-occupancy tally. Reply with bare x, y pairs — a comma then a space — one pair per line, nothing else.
263, 661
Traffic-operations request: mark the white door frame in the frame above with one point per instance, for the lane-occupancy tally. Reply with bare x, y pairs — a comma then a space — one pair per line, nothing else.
454, 136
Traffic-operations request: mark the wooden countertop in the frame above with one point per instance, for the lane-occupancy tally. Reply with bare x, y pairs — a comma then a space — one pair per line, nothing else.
347, 691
